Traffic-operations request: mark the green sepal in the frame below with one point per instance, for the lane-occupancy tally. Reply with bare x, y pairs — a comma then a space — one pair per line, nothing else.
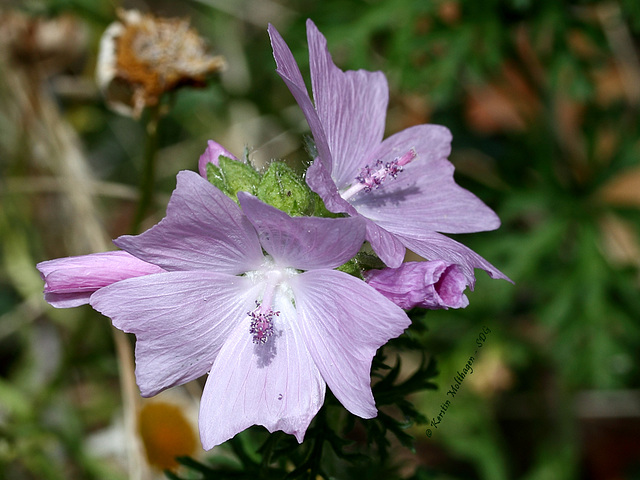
233, 176
352, 268
283, 188
361, 262
368, 261
239, 176
215, 177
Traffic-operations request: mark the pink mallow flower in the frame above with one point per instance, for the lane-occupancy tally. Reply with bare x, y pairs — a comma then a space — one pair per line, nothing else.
432, 285
70, 281
251, 297
403, 187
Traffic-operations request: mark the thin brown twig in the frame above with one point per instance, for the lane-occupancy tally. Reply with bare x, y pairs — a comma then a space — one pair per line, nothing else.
54, 145
51, 184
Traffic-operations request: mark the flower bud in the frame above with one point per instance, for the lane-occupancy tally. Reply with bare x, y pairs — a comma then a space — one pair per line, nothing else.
70, 281
238, 176
284, 189
211, 154
222, 169
430, 284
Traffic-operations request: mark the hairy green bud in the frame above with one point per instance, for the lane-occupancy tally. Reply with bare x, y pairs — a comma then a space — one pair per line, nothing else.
283, 188
233, 176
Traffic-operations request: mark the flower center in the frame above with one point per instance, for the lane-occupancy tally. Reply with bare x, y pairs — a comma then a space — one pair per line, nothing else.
371, 177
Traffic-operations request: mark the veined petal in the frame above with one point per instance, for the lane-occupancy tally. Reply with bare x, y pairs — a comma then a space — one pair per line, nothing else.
67, 300
434, 246
288, 70
211, 155
390, 250
352, 108
343, 322
180, 319
425, 191
305, 243
275, 384
319, 180
70, 281
431, 142
203, 230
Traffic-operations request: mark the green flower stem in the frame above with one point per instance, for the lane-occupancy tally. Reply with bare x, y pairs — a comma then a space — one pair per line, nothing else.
147, 181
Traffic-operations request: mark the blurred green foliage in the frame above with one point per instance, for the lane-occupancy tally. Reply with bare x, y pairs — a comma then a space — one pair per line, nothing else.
542, 98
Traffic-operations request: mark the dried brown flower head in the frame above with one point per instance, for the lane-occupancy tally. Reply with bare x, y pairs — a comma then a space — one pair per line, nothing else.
143, 56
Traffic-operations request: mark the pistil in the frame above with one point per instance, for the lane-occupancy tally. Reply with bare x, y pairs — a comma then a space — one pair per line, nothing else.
371, 178
262, 316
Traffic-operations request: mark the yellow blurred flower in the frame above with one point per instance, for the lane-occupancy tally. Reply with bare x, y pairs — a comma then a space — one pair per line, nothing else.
166, 433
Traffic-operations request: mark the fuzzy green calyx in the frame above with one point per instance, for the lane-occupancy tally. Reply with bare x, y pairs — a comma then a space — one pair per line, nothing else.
233, 176
280, 186
283, 188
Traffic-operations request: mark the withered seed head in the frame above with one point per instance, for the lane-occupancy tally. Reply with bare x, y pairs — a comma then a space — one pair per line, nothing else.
143, 56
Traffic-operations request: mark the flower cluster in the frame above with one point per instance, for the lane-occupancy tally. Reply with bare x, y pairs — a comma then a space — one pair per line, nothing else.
241, 279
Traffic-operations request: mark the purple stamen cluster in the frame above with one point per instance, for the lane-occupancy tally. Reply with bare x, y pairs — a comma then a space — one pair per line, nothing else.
372, 177
261, 324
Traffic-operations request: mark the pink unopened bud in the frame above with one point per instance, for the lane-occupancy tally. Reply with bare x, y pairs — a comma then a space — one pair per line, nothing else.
212, 155
70, 281
434, 285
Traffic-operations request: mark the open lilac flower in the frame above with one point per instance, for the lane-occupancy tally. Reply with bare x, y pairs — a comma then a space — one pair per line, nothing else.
250, 296
403, 186
70, 282
431, 285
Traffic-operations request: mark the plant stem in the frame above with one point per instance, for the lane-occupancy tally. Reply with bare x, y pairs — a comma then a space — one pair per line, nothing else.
147, 181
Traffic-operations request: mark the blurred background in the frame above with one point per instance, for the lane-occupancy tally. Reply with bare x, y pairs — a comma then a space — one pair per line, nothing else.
542, 97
